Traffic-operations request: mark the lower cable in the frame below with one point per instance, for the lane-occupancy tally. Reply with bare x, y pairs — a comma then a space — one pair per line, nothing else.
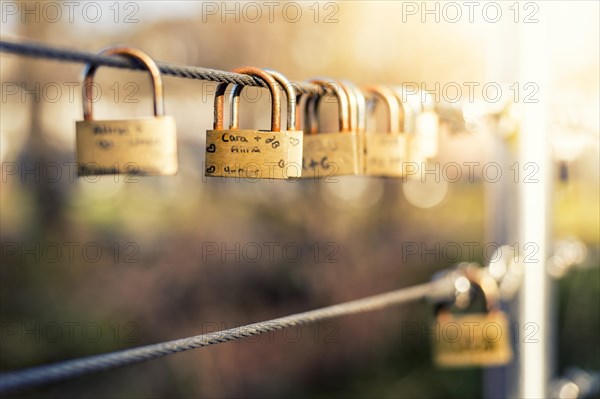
51, 373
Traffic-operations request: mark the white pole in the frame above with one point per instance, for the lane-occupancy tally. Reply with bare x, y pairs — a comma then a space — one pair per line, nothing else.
534, 206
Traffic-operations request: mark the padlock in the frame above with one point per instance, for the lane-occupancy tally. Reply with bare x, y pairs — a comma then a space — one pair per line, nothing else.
146, 146
250, 153
386, 153
473, 339
330, 154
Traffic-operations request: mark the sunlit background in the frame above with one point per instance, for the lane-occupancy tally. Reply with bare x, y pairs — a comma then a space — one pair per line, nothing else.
163, 269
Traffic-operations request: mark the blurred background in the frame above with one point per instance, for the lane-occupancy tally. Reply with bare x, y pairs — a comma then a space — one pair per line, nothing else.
91, 265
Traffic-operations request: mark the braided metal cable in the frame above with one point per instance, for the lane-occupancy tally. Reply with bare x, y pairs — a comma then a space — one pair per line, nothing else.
182, 71
46, 374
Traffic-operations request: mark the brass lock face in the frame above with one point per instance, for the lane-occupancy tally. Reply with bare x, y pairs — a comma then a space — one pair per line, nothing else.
386, 153
330, 154
479, 339
145, 146
249, 153
473, 339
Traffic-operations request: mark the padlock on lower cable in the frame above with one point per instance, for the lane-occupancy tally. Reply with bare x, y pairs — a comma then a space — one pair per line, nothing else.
481, 338
329, 154
251, 153
386, 153
145, 146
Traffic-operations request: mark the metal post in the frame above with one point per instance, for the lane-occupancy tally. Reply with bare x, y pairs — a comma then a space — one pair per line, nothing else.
534, 355
518, 213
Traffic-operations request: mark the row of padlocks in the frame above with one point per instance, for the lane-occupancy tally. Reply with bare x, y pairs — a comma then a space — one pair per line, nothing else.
299, 150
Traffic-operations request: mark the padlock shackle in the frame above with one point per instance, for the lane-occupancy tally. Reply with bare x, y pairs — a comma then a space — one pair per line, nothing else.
234, 107
219, 108
392, 103
273, 89
481, 284
311, 120
298, 125
357, 105
488, 287
408, 112
343, 101
290, 94
138, 55
306, 105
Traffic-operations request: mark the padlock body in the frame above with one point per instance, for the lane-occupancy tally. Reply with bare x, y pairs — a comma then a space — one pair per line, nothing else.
475, 339
385, 154
330, 154
253, 154
426, 140
140, 146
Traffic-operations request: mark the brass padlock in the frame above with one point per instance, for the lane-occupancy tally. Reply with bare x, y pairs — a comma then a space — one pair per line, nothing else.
386, 153
250, 153
146, 146
473, 339
330, 154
